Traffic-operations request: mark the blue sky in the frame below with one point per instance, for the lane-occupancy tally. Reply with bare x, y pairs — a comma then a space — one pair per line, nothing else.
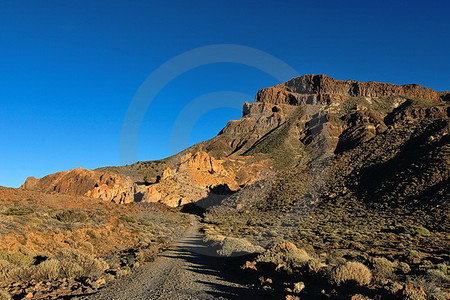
69, 69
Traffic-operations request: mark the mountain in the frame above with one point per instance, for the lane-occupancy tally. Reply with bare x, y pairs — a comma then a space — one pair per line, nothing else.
359, 207
358, 128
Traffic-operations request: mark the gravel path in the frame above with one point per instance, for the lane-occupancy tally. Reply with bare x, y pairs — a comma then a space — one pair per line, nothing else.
185, 271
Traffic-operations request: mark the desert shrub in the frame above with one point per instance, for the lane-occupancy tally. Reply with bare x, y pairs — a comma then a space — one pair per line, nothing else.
213, 239
285, 253
86, 246
47, 270
360, 297
72, 216
93, 235
148, 254
351, 272
127, 219
64, 264
438, 275
4, 295
145, 222
414, 230
336, 258
418, 231
426, 264
17, 258
403, 267
315, 265
77, 264
444, 268
414, 256
234, 246
70, 269
123, 272
393, 287
5, 270
383, 268
18, 211
428, 286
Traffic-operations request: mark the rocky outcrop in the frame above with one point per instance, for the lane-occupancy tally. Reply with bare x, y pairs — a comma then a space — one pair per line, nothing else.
197, 176
322, 89
407, 112
81, 182
346, 113
202, 162
258, 118
334, 114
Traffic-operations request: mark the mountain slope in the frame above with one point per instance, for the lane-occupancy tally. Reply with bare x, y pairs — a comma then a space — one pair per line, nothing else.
312, 118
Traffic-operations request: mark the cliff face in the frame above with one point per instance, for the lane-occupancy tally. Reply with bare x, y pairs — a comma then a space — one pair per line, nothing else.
82, 182
322, 89
275, 132
328, 113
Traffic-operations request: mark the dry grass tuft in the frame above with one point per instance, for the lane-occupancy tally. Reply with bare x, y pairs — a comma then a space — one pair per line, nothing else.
67, 263
285, 254
17, 258
80, 264
234, 246
47, 270
4, 295
351, 272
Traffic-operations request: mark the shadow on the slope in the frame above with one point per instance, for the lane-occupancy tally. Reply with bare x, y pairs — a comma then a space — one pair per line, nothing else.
204, 260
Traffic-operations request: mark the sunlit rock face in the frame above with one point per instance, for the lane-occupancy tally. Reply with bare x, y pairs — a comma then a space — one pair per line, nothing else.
81, 182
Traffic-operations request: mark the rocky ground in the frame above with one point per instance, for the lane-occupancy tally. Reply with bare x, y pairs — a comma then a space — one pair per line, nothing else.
190, 269
54, 246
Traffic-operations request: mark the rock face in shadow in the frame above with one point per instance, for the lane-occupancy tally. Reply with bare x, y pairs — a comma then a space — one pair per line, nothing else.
81, 182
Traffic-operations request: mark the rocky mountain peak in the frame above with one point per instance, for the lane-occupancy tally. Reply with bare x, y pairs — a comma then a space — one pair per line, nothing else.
322, 89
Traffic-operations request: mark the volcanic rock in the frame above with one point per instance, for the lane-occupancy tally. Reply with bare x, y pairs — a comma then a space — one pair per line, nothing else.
81, 182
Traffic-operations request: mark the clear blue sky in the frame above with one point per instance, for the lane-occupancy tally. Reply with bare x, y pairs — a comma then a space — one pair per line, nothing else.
69, 69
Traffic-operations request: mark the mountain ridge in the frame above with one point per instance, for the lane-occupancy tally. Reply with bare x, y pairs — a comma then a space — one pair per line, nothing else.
278, 131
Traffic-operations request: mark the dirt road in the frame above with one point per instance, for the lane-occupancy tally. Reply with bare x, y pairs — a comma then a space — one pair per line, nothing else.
185, 271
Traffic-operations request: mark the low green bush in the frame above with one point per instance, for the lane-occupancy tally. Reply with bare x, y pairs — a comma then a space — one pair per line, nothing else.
77, 264
72, 216
18, 211
17, 258
383, 268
